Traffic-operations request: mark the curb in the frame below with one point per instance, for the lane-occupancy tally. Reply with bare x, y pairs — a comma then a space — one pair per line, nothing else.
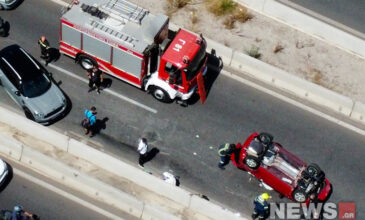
184, 202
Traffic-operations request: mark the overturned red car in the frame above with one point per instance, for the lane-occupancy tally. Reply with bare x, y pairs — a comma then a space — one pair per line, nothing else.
281, 170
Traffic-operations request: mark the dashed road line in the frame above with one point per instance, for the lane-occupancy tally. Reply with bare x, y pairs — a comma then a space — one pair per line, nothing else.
111, 92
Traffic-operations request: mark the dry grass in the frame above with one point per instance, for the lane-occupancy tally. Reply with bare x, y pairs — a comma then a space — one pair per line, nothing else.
174, 5
278, 48
193, 17
315, 75
229, 22
221, 7
241, 14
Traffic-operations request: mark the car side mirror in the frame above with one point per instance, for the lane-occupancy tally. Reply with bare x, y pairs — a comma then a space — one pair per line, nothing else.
59, 82
17, 93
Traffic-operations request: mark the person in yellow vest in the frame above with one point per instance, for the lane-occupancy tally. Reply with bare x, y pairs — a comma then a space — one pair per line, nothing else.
224, 152
261, 209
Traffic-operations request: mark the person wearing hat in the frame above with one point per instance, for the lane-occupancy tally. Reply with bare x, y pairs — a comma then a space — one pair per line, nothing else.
261, 209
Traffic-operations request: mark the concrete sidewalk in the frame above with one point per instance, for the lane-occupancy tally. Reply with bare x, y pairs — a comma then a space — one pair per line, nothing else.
100, 176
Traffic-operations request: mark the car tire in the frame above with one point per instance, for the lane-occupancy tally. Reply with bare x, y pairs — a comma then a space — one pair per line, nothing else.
252, 162
28, 114
86, 62
314, 169
161, 95
299, 195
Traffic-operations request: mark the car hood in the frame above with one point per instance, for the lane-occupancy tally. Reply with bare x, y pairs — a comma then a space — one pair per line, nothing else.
52, 99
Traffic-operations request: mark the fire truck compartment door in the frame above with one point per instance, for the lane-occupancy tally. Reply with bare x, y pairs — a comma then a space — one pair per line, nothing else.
201, 88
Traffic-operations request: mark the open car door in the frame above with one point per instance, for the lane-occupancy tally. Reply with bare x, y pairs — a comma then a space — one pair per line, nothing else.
201, 88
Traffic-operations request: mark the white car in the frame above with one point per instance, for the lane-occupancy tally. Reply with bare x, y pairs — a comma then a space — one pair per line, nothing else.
4, 172
8, 4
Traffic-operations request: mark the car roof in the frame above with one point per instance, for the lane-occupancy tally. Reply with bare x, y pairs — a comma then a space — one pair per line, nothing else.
25, 66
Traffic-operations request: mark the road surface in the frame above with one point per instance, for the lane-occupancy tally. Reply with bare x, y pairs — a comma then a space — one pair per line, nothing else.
187, 138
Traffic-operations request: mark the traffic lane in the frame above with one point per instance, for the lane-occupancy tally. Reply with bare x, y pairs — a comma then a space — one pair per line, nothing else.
231, 113
349, 12
41, 201
232, 116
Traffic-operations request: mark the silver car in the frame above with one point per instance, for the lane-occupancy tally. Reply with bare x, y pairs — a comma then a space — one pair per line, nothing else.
30, 85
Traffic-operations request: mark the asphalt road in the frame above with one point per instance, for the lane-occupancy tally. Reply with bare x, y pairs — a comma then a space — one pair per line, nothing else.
187, 138
350, 13
37, 199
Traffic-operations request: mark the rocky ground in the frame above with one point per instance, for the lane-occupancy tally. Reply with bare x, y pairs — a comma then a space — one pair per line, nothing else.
300, 54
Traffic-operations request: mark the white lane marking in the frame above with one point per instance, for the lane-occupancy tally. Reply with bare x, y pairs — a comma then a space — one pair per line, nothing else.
65, 194
105, 90
293, 102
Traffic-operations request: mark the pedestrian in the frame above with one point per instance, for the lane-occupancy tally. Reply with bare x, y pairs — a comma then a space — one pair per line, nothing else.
44, 45
143, 151
89, 121
261, 209
3, 28
224, 152
95, 79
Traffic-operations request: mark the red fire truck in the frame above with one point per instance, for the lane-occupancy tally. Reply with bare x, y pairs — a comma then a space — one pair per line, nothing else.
127, 42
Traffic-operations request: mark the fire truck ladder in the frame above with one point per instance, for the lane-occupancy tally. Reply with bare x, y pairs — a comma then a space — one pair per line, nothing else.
109, 30
126, 10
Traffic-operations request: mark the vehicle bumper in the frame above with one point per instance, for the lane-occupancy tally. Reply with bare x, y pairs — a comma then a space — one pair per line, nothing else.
52, 117
186, 96
10, 5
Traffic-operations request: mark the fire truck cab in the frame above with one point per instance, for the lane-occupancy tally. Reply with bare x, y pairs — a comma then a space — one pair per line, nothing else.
127, 42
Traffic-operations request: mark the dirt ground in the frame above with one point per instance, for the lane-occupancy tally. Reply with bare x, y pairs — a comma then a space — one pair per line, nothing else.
302, 55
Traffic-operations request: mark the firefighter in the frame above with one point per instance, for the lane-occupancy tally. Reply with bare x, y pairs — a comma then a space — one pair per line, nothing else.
96, 78
224, 152
261, 209
44, 45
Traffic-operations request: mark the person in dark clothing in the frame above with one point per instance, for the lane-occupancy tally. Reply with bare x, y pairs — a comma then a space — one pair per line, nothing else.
19, 214
261, 209
3, 28
44, 45
95, 79
224, 152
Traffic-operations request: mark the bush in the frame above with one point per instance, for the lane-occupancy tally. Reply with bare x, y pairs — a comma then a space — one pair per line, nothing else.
178, 3
241, 14
221, 7
254, 52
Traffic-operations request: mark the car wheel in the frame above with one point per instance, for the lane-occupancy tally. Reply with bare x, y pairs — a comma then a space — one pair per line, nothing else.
86, 62
161, 95
252, 162
28, 114
314, 169
299, 195
1, 7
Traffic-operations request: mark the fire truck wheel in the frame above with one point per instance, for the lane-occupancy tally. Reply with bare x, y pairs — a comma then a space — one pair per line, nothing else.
299, 195
86, 62
161, 95
252, 162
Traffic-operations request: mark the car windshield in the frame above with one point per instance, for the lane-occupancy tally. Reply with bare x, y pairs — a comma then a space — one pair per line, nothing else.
36, 86
197, 62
